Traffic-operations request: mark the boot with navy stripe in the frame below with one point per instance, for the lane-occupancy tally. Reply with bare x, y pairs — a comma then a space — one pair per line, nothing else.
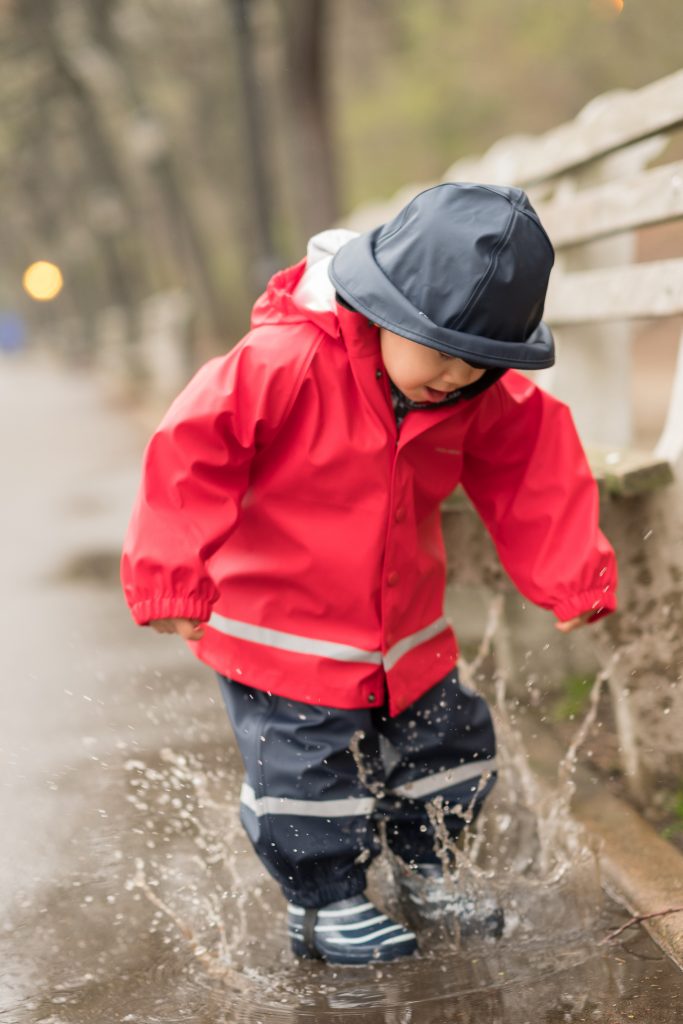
350, 931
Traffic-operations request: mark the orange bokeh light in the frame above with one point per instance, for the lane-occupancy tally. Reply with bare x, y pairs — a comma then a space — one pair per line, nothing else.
608, 8
42, 281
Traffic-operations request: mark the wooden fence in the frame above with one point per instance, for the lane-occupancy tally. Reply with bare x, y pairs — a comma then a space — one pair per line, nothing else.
590, 182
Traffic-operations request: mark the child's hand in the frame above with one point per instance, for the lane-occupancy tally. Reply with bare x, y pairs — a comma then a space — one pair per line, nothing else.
570, 624
188, 629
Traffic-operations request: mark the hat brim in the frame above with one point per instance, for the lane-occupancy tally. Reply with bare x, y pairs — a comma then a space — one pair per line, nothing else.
357, 277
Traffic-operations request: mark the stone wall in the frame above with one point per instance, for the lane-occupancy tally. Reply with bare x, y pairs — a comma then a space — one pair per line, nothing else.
645, 695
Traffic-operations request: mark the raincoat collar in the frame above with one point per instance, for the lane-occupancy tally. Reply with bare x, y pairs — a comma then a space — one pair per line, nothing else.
304, 293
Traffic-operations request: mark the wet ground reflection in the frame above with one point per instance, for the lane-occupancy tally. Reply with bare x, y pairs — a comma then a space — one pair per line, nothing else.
164, 914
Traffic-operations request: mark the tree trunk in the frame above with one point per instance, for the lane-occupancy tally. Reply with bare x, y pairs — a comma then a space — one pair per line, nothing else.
256, 152
308, 124
156, 159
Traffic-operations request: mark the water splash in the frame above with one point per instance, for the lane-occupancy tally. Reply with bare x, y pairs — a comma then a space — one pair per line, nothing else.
526, 849
199, 888
216, 959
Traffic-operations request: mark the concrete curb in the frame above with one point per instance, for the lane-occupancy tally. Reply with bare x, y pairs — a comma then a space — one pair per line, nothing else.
640, 870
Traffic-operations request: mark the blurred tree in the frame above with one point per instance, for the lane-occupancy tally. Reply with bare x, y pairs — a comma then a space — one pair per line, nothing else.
257, 153
308, 127
416, 86
112, 209
148, 145
153, 144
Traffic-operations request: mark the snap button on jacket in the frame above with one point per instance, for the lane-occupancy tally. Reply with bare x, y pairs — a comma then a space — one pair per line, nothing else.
280, 505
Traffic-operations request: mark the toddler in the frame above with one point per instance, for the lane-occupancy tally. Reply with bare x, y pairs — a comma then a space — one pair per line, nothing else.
288, 528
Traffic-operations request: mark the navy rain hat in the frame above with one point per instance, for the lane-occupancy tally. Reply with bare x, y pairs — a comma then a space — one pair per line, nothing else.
463, 268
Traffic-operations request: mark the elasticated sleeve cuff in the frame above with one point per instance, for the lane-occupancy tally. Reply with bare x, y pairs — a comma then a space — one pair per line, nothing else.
170, 608
600, 602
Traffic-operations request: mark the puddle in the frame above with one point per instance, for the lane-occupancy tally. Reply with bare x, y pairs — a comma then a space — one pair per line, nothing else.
166, 914
96, 566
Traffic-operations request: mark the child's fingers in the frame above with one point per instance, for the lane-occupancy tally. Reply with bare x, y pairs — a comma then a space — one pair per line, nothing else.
570, 624
163, 625
189, 629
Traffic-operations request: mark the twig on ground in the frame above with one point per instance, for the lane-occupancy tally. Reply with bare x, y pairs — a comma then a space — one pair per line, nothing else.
637, 919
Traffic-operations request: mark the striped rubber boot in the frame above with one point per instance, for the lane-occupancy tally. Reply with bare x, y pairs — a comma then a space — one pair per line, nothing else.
350, 931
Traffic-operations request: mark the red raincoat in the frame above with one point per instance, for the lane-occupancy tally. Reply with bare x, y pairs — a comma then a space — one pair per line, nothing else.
280, 504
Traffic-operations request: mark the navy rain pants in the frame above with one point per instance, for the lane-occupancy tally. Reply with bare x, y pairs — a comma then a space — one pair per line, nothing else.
311, 814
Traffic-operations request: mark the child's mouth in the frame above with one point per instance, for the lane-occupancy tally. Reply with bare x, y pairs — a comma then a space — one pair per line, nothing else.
434, 395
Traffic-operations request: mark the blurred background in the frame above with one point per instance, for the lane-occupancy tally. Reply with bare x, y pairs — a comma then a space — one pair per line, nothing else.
159, 160
168, 155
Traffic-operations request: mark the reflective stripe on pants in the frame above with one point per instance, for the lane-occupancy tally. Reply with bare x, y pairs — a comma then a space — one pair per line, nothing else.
309, 812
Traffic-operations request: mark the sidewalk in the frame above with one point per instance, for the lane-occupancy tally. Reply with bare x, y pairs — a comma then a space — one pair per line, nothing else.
69, 472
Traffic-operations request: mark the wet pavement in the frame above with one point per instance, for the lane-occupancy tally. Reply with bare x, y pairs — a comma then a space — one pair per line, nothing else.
129, 892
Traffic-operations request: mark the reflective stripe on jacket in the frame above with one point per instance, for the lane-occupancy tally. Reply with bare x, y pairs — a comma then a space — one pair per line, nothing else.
279, 503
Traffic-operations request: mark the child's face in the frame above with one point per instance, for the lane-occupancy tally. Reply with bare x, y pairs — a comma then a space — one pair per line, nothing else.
423, 374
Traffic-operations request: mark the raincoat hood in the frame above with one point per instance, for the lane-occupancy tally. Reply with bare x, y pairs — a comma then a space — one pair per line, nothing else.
304, 292
463, 268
